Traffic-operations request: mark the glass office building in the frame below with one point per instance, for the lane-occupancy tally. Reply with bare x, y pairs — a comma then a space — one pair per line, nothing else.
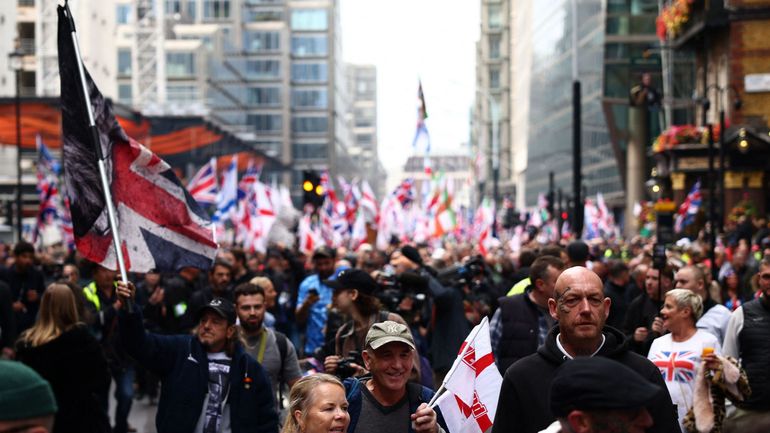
616, 43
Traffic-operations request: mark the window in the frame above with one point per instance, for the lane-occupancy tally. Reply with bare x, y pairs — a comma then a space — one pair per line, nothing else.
309, 98
305, 46
261, 41
123, 14
494, 46
364, 138
124, 93
265, 122
309, 19
494, 78
264, 96
309, 72
309, 124
263, 69
180, 65
259, 15
495, 16
216, 9
181, 93
173, 7
124, 62
309, 150
364, 116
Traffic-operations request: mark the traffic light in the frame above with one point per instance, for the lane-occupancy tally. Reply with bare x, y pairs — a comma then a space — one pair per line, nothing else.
312, 190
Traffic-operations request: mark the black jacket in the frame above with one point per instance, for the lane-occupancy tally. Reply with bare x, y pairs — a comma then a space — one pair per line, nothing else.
524, 404
641, 313
182, 365
74, 365
519, 319
450, 328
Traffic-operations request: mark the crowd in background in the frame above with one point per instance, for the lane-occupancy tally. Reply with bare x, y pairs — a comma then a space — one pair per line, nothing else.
300, 314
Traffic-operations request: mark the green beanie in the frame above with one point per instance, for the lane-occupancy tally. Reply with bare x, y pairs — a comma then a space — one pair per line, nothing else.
23, 393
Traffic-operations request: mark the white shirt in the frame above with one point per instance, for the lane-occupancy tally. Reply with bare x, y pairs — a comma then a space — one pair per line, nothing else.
678, 362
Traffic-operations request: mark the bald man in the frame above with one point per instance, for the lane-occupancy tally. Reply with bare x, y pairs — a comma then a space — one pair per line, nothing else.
580, 307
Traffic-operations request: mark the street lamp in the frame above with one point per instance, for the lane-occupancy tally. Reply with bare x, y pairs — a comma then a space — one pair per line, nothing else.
15, 63
737, 104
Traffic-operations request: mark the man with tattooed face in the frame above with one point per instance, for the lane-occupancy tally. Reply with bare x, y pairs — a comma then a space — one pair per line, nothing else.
581, 309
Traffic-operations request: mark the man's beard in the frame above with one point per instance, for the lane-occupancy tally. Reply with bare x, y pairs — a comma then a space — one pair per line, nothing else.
325, 275
249, 328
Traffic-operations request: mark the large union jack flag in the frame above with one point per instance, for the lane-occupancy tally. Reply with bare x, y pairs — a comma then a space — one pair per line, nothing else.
160, 224
676, 366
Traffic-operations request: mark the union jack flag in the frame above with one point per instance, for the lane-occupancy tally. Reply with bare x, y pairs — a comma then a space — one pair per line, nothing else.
203, 186
689, 208
676, 366
405, 192
160, 224
45, 159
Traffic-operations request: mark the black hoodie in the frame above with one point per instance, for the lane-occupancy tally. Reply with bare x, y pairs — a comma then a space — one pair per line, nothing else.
524, 404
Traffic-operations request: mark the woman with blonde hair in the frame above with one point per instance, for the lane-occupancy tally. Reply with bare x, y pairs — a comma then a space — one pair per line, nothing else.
680, 353
317, 404
60, 348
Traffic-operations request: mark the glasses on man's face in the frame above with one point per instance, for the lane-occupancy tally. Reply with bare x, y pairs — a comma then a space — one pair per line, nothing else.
765, 276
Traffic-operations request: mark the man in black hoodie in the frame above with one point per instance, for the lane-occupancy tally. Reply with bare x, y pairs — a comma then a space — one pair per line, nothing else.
581, 308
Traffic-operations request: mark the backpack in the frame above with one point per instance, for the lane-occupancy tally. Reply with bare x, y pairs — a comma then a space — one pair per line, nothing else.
283, 347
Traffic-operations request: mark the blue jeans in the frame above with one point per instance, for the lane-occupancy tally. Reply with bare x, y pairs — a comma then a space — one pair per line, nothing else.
124, 396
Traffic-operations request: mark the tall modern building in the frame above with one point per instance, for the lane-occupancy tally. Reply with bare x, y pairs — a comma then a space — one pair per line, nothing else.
362, 89
490, 119
613, 43
269, 71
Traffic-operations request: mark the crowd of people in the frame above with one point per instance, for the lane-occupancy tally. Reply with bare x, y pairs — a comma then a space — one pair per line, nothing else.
359, 341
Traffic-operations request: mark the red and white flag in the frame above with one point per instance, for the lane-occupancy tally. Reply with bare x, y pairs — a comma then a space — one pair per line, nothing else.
473, 385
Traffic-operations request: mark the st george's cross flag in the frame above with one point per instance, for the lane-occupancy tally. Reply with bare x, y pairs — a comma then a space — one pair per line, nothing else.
473, 385
159, 223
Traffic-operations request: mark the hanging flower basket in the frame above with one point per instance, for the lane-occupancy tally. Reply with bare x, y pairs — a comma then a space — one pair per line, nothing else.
673, 19
683, 134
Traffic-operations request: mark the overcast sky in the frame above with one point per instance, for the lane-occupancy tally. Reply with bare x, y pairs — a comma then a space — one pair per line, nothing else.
411, 40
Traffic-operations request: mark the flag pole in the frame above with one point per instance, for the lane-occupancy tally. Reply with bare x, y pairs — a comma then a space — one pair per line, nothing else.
471, 337
96, 143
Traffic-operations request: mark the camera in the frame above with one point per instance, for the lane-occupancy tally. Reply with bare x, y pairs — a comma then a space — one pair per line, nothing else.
345, 369
465, 274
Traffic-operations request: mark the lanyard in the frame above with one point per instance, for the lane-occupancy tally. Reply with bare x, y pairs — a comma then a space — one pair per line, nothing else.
262, 345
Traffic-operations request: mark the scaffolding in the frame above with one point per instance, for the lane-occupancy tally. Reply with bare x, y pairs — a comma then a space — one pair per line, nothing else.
46, 31
149, 77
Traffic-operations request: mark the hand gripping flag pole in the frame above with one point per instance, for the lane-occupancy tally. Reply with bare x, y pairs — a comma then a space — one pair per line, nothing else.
94, 134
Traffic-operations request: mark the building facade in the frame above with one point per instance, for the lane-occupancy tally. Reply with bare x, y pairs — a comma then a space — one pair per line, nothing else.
490, 118
362, 89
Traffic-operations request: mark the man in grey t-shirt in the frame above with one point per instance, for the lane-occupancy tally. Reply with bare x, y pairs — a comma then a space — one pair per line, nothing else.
262, 343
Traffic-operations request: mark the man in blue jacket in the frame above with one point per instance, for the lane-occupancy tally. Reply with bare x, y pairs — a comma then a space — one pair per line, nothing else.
386, 402
209, 384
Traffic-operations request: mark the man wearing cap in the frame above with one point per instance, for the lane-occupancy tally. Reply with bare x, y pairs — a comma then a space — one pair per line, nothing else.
581, 309
450, 327
354, 296
209, 384
313, 298
586, 398
387, 402
27, 403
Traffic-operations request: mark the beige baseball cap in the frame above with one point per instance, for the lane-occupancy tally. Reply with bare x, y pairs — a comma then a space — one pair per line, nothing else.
388, 332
